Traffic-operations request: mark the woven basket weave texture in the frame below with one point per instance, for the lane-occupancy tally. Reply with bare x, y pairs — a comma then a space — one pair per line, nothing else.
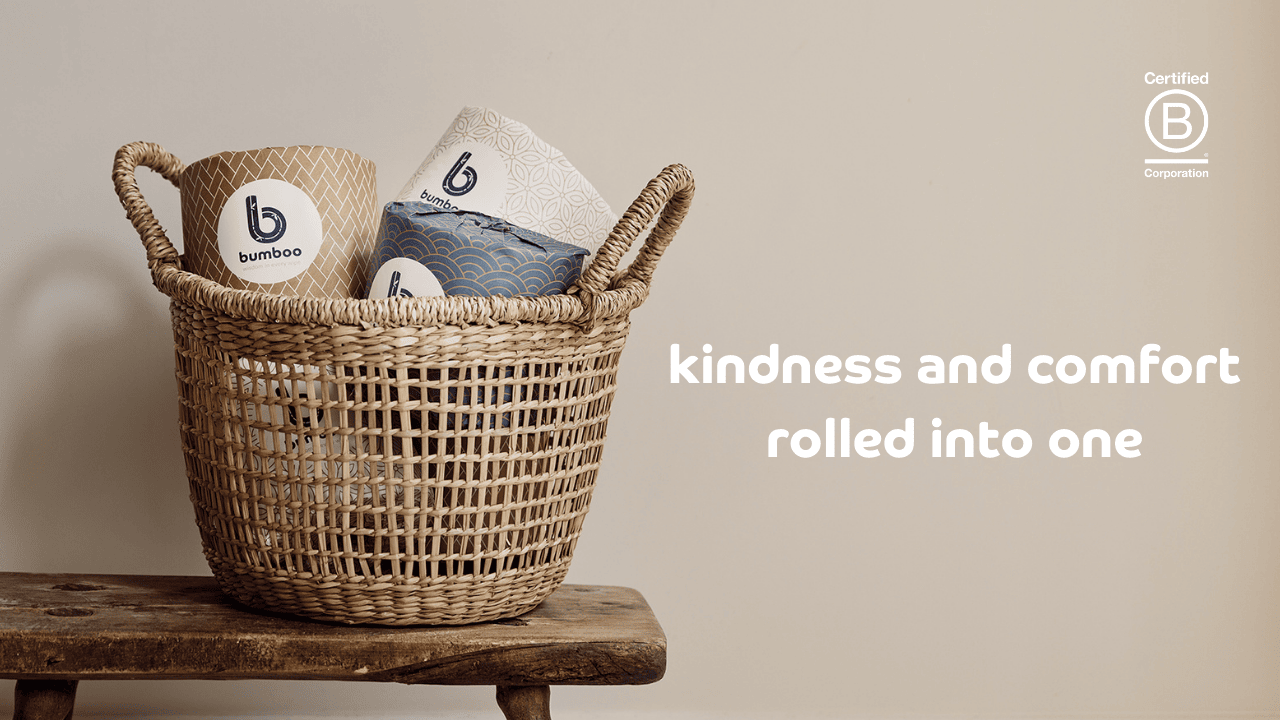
400, 461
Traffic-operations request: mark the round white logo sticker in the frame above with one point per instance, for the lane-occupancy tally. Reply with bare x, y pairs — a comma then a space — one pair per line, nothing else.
402, 277
468, 176
269, 231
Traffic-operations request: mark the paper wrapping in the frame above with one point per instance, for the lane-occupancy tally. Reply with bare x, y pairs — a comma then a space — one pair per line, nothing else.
318, 201
474, 254
494, 165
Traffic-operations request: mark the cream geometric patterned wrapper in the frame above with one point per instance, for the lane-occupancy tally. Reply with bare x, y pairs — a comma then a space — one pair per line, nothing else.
494, 165
340, 185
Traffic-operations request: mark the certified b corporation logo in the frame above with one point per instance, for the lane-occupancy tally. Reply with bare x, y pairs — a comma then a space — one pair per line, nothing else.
1176, 123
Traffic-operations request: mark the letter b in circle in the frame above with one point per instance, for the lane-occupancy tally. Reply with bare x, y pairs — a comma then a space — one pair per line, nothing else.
468, 173
255, 229
1177, 121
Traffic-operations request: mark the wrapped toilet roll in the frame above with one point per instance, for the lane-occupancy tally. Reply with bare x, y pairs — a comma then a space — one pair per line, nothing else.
286, 220
423, 250
491, 164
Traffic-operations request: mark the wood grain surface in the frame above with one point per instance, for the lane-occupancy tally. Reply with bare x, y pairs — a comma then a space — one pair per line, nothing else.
93, 627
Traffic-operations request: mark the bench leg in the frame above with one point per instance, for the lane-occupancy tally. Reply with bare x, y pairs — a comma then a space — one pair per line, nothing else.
531, 702
44, 699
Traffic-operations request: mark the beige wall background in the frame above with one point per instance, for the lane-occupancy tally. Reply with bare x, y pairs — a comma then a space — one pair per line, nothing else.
873, 178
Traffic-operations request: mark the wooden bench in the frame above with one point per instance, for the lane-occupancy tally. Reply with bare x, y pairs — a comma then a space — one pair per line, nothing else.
56, 630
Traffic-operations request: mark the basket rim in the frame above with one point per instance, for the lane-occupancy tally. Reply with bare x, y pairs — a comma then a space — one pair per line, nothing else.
624, 295
602, 291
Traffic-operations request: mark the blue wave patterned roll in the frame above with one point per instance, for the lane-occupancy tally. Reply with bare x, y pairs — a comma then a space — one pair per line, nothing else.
475, 254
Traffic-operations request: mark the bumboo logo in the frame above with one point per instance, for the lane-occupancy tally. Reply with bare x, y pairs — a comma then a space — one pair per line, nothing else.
269, 231
272, 254
469, 173
1177, 121
396, 290
402, 277
255, 231
255, 228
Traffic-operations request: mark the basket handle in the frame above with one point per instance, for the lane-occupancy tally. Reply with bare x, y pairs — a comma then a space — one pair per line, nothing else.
160, 251
671, 192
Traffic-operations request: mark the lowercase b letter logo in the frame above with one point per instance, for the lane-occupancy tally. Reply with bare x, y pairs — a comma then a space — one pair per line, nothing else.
469, 173
270, 213
252, 238
395, 289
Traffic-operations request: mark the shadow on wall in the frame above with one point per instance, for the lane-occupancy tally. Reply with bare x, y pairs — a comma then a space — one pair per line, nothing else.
95, 479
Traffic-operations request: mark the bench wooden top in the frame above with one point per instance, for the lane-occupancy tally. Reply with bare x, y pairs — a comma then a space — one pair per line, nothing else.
95, 627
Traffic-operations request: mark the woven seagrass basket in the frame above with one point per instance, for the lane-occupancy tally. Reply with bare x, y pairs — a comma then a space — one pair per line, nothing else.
400, 461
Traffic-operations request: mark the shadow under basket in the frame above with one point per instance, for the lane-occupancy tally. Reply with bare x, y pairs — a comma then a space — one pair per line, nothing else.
402, 461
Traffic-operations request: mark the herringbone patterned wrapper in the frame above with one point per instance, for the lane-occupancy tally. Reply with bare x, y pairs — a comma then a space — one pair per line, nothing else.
341, 184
